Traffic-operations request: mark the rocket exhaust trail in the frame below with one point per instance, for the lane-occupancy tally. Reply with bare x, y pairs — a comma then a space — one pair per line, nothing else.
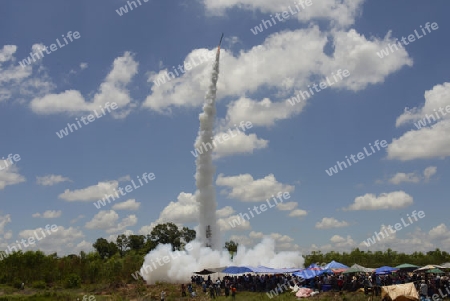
206, 193
180, 268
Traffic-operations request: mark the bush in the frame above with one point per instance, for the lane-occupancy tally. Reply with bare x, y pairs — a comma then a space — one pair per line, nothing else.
39, 284
73, 281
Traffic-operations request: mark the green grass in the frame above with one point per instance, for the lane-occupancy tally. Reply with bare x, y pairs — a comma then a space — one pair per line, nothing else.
142, 292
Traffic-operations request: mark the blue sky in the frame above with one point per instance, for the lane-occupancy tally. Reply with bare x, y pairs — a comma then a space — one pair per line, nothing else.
153, 130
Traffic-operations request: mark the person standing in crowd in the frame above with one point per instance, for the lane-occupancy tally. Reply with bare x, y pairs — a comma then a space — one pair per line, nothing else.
183, 290
423, 291
233, 292
212, 292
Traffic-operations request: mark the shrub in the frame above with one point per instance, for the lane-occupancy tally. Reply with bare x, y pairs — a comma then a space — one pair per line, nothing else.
39, 284
73, 281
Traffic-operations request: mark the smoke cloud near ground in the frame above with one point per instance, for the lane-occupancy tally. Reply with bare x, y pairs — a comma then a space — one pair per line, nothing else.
182, 264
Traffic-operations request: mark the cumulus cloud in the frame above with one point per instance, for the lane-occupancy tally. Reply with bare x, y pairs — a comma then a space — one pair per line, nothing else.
109, 221
432, 123
243, 187
225, 211
391, 200
233, 222
401, 177
60, 241
437, 100
241, 143
9, 174
298, 213
260, 113
50, 180
48, 214
429, 172
186, 210
20, 82
113, 89
287, 206
250, 70
4, 234
426, 143
331, 222
91, 193
341, 13
130, 204
412, 177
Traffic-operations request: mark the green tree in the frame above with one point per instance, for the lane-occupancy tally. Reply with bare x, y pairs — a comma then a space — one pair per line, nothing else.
169, 233
104, 248
136, 242
122, 244
232, 247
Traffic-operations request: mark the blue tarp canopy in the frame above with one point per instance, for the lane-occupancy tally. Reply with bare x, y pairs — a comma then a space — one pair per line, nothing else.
266, 270
237, 270
259, 269
385, 270
310, 273
335, 265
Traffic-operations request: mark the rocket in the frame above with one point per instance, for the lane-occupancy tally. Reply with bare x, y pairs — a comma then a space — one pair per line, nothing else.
220, 42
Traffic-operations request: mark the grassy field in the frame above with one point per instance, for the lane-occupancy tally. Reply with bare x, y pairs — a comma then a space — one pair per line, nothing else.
144, 292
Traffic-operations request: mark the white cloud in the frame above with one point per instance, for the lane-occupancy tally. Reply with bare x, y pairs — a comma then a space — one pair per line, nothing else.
48, 214
225, 223
17, 82
253, 69
287, 206
412, 177
241, 143
340, 13
225, 211
91, 193
4, 220
184, 210
358, 55
61, 241
50, 180
330, 222
81, 216
103, 220
9, 174
246, 189
113, 89
426, 143
436, 101
401, 177
392, 200
83, 66
439, 232
298, 213
429, 172
260, 113
130, 204
109, 221
428, 140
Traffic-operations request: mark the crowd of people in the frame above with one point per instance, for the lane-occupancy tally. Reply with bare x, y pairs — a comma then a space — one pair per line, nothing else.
426, 284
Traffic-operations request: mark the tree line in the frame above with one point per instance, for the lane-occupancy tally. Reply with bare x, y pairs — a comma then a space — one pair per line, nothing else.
112, 263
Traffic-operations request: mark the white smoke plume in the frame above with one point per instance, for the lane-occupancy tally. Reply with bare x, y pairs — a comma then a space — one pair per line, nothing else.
206, 193
162, 264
